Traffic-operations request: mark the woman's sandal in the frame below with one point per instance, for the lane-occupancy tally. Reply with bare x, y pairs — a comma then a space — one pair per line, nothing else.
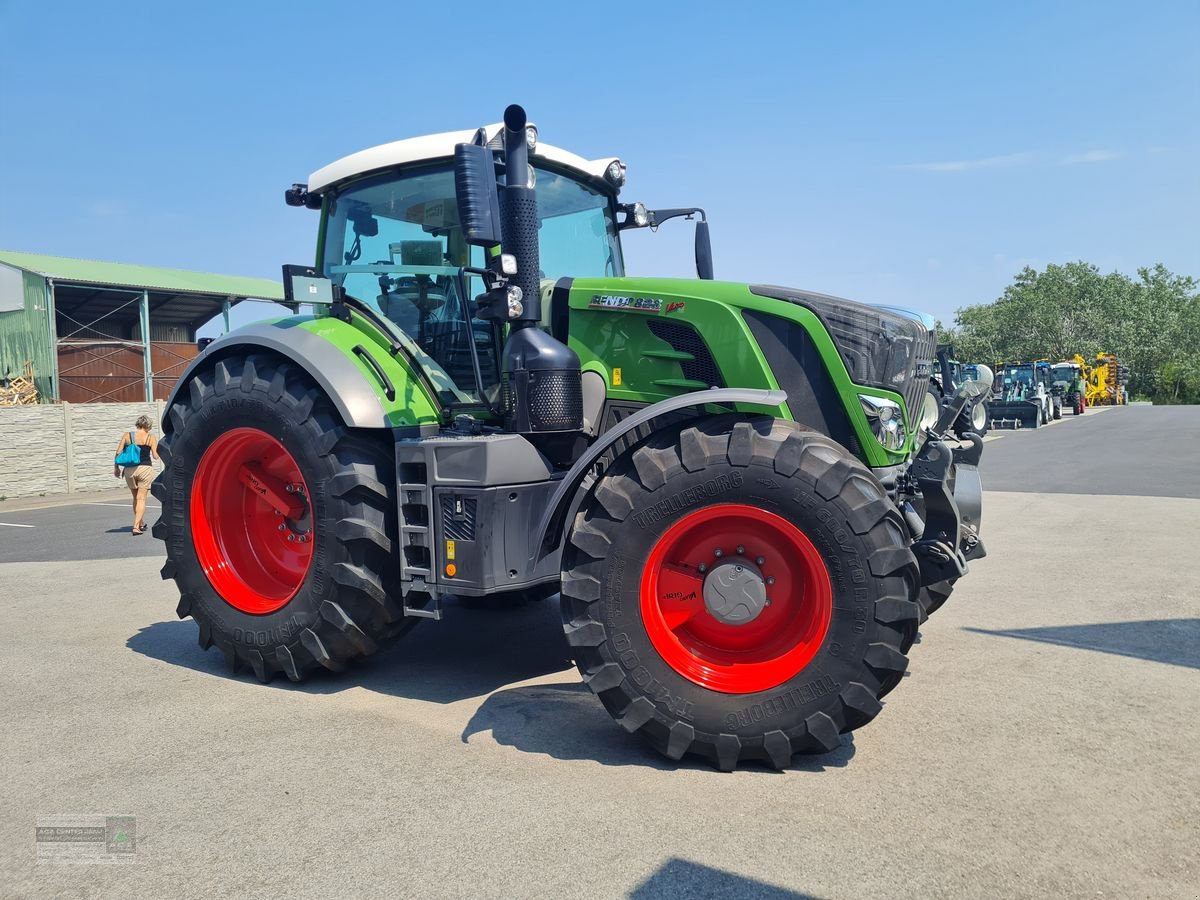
141, 530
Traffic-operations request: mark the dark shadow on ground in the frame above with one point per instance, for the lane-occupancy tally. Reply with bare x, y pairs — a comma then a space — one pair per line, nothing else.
475, 653
1175, 642
566, 721
470, 653
683, 878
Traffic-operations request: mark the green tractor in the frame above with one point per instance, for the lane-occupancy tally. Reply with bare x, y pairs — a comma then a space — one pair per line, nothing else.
739, 490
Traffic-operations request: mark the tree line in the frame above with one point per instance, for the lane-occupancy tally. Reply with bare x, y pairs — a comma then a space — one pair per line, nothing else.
1151, 322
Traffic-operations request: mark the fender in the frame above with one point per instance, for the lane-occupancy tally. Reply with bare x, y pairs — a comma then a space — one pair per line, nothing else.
356, 398
569, 488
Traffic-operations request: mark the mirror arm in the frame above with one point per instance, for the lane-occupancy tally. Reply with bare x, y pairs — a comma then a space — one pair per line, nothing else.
658, 216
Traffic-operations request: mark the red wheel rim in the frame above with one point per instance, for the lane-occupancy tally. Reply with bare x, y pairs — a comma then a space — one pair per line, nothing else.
736, 658
248, 499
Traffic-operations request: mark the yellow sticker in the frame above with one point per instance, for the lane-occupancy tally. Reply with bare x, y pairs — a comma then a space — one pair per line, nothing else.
449, 549
616, 376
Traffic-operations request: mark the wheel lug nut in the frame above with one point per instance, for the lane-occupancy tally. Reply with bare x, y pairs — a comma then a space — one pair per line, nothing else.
282, 527
290, 489
770, 579
740, 549
291, 538
737, 568
718, 553
702, 568
760, 561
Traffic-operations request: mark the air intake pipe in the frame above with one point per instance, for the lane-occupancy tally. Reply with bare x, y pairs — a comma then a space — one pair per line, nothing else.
542, 389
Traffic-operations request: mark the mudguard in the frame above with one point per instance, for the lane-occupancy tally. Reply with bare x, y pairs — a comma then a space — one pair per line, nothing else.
568, 495
356, 398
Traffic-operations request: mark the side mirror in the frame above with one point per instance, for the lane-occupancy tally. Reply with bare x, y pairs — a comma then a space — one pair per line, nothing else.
304, 284
477, 194
640, 218
704, 264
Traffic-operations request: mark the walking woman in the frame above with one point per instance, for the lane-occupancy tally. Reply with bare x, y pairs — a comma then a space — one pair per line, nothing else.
139, 474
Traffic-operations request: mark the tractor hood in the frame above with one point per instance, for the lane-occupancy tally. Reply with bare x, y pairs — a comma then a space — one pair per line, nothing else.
880, 346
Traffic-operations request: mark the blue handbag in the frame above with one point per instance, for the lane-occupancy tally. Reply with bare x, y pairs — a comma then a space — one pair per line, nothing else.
130, 456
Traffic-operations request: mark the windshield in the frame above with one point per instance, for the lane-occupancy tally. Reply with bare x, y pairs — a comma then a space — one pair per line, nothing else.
1018, 375
393, 242
1066, 374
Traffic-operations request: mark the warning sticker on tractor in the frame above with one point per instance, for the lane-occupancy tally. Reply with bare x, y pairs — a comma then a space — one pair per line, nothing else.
449, 549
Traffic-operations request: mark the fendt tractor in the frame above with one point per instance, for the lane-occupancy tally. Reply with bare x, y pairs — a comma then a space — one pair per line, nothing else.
739, 490
1068, 382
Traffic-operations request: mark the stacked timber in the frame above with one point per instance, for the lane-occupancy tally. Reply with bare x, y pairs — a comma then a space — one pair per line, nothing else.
19, 391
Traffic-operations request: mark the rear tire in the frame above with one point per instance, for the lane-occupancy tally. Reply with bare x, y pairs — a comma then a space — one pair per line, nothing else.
725, 470
340, 607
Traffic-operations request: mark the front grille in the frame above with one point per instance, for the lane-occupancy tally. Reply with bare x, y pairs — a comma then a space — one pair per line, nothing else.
914, 392
684, 339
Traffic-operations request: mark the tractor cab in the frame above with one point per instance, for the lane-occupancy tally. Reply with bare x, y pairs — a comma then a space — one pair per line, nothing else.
391, 238
1022, 381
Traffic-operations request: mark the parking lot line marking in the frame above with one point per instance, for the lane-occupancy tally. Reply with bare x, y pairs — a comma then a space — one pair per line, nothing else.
15, 525
122, 505
992, 437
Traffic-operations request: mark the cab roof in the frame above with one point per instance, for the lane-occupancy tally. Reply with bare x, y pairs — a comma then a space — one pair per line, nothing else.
431, 147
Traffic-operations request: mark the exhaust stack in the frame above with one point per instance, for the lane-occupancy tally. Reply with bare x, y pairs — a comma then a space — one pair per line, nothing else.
542, 388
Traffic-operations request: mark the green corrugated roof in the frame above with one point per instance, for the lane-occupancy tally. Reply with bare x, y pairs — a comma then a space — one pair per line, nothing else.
87, 271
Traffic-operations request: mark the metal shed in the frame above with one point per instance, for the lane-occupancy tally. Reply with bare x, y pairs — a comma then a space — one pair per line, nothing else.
100, 331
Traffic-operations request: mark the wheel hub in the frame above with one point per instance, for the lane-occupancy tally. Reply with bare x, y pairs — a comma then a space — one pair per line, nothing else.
735, 592
252, 522
735, 598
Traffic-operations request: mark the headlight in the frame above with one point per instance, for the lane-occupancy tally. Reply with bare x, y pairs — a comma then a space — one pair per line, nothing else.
615, 173
887, 421
979, 416
531, 137
515, 306
641, 216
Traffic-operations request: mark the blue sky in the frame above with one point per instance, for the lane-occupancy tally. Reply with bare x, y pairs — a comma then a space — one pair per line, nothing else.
913, 154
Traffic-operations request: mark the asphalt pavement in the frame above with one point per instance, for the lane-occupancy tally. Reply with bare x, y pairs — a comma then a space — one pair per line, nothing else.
1042, 744
1146, 451
77, 531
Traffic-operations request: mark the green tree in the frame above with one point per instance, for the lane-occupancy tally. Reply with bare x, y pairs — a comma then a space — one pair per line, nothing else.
1150, 323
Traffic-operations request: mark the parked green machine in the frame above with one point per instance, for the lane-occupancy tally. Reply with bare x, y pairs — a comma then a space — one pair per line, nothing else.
1069, 384
739, 489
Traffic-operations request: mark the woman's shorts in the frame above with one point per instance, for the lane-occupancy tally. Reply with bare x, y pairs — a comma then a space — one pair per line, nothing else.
139, 477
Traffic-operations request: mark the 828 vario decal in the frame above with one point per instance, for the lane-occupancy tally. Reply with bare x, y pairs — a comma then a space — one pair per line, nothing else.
611, 301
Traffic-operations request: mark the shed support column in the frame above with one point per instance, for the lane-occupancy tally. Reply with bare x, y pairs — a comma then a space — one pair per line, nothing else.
147, 365
225, 312
55, 388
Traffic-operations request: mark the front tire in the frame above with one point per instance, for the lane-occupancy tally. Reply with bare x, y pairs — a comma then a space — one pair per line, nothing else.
789, 511
288, 591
